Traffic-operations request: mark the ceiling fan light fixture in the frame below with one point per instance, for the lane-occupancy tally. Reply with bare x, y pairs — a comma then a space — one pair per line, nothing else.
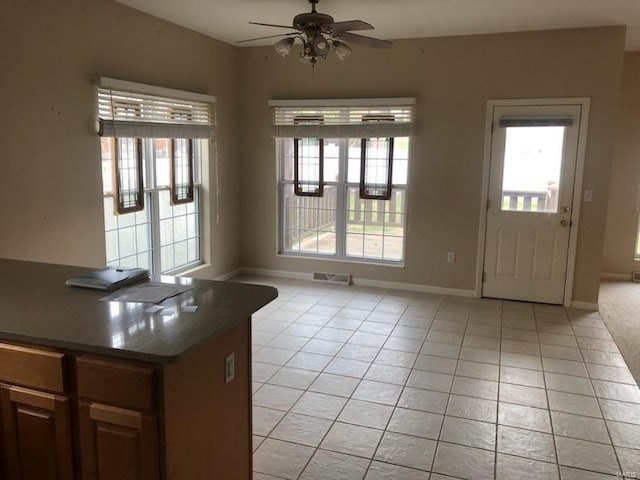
284, 46
309, 59
319, 34
343, 51
321, 45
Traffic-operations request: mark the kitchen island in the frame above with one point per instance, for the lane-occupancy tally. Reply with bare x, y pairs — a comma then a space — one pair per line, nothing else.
107, 390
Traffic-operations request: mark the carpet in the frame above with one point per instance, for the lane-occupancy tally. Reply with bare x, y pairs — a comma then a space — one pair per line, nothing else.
620, 309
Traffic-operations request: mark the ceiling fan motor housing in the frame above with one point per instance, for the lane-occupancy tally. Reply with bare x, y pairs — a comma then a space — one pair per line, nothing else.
311, 21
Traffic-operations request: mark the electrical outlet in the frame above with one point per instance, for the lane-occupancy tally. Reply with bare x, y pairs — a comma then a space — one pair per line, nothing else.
451, 257
229, 367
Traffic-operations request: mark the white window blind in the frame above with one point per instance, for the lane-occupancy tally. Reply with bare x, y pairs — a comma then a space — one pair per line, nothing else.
356, 118
506, 122
136, 113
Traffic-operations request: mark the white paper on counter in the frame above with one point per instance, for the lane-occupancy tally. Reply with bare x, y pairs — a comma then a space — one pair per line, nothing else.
148, 292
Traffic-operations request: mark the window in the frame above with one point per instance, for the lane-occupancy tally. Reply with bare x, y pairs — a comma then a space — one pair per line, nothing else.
533, 154
152, 148
362, 171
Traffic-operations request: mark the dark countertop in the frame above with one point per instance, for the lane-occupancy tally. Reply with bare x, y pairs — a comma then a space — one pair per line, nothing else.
36, 307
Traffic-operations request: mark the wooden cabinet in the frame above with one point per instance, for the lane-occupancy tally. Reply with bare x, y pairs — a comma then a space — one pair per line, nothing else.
37, 434
117, 383
117, 444
72, 416
35, 415
32, 367
117, 420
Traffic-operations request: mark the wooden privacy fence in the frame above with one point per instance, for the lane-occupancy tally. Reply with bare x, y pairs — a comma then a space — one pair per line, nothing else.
319, 213
376, 212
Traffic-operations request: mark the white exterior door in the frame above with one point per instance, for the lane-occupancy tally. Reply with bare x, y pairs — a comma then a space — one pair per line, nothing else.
532, 172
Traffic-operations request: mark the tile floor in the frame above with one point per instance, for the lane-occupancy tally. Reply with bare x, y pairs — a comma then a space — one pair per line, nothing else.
355, 383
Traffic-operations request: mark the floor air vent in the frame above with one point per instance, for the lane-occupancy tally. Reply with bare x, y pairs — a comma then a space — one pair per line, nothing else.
342, 278
635, 276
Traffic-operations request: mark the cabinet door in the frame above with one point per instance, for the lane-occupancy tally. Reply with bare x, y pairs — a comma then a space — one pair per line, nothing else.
36, 434
117, 444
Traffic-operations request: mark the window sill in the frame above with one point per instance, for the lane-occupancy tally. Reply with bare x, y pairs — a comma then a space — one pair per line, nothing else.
187, 270
373, 263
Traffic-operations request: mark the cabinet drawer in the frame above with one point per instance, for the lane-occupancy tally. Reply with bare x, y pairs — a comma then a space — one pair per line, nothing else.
116, 383
32, 368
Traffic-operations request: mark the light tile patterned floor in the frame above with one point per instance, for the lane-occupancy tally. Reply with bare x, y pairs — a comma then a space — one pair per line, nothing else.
355, 383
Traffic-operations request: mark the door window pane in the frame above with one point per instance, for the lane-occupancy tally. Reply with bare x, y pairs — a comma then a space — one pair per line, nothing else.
532, 165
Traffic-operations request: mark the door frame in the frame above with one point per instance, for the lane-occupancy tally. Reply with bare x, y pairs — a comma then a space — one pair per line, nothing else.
585, 103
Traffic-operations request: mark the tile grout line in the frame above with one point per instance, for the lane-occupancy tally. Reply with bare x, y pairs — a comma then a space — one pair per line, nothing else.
435, 452
395, 405
606, 425
287, 412
495, 461
459, 355
335, 420
546, 394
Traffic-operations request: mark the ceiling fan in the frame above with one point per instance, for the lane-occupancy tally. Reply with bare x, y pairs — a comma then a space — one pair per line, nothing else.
318, 33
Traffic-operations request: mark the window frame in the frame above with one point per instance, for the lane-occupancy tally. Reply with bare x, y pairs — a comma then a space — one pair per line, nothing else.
136, 110
342, 187
151, 192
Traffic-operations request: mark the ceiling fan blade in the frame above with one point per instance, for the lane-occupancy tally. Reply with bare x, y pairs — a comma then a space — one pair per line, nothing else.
272, 25
338, 27
362, 40
268, 36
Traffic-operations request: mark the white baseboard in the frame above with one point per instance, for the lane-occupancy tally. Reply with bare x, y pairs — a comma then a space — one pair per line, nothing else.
226, 276
366, 282
615, 276
585, 305
276, 273
414, 287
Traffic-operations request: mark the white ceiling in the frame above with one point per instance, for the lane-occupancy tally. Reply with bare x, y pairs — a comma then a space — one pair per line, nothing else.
227, 20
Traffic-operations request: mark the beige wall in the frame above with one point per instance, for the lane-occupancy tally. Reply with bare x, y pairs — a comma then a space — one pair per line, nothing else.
50, 202
452, 79
50, 185
624, 195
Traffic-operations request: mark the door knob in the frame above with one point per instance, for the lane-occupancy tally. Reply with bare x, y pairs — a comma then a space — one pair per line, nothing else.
564, 223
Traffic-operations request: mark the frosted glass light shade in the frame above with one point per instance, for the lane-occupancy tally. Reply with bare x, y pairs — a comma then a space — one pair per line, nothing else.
320, 45
343, 51
283, 47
